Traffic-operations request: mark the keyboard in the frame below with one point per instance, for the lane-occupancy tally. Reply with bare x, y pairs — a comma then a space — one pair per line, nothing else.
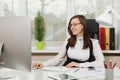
59, 69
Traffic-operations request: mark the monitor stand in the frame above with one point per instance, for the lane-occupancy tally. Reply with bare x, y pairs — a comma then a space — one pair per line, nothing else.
4, 72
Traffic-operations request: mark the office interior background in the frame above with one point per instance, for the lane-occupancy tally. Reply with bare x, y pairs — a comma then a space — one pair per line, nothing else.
57, 14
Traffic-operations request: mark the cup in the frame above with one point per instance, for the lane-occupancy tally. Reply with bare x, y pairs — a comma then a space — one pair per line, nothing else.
109, 74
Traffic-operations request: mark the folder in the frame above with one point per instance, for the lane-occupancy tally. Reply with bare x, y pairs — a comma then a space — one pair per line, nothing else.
112, 38
107, 38
102, 37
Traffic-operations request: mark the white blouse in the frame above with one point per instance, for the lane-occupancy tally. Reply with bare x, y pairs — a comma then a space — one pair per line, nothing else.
78, 53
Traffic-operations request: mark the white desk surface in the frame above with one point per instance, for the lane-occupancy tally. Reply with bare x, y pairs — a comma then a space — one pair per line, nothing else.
97, 74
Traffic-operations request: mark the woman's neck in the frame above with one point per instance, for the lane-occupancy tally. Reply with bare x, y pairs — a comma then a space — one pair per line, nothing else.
80, 35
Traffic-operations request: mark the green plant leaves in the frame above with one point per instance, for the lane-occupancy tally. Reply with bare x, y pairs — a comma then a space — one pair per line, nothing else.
39, 30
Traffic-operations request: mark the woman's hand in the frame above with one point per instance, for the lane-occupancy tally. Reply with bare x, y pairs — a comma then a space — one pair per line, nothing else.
73, 64
38, 65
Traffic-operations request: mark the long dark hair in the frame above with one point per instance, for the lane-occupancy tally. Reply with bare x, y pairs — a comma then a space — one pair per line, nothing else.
86, 38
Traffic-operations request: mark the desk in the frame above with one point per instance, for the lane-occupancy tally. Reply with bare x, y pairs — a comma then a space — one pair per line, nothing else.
43, 74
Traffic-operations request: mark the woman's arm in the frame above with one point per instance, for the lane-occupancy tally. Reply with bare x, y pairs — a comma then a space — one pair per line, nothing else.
57, 59
99, 62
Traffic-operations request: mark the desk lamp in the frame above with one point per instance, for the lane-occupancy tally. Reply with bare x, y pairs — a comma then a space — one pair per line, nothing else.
106, 18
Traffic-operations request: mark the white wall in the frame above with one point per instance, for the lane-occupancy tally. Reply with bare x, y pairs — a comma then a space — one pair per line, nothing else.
116, 23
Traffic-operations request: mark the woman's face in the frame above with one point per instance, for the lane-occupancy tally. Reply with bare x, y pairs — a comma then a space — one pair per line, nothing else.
76, 27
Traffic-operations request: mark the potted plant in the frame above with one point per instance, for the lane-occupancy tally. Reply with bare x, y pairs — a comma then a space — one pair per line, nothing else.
39, 30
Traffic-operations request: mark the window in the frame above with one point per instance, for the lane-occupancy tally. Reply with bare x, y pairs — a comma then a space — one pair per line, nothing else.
54, 14
86, 7
13, 8
6, 8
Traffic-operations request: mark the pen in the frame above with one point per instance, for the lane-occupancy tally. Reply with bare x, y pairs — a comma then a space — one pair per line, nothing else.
110, 64
76, 70
52, 78
105, 65
114, 65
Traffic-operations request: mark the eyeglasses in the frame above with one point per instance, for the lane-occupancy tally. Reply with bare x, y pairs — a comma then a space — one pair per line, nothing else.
74, 24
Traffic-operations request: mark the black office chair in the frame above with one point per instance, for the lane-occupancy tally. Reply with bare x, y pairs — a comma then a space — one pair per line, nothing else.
93, 28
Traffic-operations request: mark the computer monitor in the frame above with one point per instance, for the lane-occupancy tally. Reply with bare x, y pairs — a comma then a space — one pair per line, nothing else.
15, 33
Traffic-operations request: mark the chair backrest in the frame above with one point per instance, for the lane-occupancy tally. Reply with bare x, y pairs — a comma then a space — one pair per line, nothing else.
93, 27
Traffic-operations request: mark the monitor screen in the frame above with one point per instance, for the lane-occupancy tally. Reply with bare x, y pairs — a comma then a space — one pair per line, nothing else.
15, 34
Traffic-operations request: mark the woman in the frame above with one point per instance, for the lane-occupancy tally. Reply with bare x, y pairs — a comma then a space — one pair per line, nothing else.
80, 50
